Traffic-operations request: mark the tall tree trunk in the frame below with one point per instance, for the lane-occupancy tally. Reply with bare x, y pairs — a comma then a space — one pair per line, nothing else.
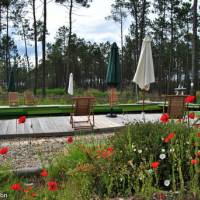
194, 49
68, 67
142, 23
162, 50
171, 48
136, 34
25, 46
187, 70
7, 46
0, 28
36, 49
136, 44
122, 44
44, 51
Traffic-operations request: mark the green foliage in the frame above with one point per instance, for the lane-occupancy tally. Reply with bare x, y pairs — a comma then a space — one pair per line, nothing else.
55, 91
122, 165
127, 171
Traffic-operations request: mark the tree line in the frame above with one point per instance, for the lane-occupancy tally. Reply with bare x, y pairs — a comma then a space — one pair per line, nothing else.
172, 25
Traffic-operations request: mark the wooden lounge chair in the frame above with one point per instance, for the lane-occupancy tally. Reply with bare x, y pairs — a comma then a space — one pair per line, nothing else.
82, 106
176, 106
29, 98
13, 98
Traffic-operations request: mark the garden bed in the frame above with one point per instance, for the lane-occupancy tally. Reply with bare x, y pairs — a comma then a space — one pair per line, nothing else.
144, 161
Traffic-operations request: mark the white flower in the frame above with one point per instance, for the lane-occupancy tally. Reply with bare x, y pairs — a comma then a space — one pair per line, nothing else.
166, 183
150, 171
171, 150
139, 151
134, 149
163, 150
162, 156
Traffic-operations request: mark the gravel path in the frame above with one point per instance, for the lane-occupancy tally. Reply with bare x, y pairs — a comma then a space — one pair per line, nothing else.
32, 152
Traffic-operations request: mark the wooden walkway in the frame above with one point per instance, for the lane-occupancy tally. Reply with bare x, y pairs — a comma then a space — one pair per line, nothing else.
60, 126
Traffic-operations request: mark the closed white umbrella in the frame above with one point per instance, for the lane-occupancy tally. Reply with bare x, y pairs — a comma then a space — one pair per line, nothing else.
70, 86
144, 75
145, 71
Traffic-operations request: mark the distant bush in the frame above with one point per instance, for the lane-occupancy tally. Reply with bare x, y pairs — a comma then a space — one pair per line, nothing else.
54, 91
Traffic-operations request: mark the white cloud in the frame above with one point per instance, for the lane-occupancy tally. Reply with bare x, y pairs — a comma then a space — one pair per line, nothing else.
88, 23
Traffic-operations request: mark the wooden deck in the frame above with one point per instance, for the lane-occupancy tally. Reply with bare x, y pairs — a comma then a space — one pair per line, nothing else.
60, 126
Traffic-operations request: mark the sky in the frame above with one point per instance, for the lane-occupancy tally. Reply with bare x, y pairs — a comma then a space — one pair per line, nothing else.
88, 23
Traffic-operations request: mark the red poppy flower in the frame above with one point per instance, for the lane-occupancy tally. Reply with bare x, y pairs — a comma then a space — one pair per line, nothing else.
44, 173
191, 115
194, 161
16, 187
69, 139
198, 134
164, 118
104, 154
155, 165
26, 191
110, 149
166, 140
171, 135
3, 150
21, 119
189, 99
52, 186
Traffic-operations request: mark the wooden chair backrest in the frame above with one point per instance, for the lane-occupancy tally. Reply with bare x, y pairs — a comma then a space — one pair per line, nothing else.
13, 98
29, 98
83, 105
176, 106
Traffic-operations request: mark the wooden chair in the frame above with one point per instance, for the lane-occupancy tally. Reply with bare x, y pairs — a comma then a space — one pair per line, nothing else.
82, 106
29, 98
176, 106
13, 98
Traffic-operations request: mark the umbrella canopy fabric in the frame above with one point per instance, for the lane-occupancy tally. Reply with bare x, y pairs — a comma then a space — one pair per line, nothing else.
70, 86
11, 83
145, 71
113, 76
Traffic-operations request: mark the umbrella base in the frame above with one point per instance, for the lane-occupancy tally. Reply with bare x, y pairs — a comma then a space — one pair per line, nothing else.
112, 115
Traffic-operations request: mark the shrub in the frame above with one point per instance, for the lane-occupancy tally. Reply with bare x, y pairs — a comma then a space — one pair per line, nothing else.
123, 166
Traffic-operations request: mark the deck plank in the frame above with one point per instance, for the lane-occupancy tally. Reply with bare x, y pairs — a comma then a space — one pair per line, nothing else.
3, 126
62, 123
28, 127
57, 126
12, 126
47, 124
36, 126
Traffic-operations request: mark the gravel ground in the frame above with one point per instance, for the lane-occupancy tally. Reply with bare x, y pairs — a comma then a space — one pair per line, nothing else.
32, 152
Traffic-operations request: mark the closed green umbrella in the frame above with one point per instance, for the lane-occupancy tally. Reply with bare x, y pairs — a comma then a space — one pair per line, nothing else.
11, 83
113, 76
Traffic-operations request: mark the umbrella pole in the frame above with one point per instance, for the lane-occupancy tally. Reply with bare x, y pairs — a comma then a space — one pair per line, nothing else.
143, 96
111, 114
